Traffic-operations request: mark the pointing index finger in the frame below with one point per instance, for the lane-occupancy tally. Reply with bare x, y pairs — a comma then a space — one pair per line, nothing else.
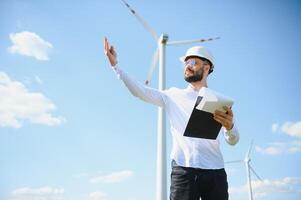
105, 44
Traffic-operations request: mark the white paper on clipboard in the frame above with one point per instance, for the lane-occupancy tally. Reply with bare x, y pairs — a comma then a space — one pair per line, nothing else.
213, 101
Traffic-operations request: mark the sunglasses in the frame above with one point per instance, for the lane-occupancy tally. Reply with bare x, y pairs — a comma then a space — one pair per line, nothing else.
190, 62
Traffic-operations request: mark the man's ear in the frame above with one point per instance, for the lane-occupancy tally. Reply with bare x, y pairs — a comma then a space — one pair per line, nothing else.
207, 68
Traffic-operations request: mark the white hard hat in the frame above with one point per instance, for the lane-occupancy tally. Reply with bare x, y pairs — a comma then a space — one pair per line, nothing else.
201, 52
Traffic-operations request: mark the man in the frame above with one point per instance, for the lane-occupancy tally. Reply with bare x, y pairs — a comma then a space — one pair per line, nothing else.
197, 164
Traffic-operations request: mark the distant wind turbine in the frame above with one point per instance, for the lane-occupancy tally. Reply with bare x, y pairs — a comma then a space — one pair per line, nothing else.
162, 41
248, 166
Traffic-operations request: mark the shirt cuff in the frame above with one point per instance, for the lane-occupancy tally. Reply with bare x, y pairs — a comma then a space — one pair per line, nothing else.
115, 67
232, 136
232, 131
117, 71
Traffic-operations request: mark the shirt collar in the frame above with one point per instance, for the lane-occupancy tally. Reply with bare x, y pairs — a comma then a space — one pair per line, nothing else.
191, 88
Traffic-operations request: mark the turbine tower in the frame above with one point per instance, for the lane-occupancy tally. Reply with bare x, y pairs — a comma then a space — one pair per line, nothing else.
162, 41
247, 162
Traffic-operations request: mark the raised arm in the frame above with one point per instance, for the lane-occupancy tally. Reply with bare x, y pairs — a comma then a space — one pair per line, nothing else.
137, 89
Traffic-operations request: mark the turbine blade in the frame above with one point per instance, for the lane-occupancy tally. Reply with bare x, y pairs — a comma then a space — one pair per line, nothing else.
249, 150
234, 161
152, 66
142, 21
255, 173
191, 41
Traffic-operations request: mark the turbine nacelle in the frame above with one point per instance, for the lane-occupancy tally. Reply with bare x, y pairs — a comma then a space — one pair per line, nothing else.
163, 39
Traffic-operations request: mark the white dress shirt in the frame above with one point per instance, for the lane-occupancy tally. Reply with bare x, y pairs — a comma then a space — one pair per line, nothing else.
178, 104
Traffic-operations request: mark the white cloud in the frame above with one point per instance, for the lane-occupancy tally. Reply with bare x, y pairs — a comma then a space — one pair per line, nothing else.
114, 177
98, 195
272, 150
18, 104
29, 44
33, 80
42, 193
38, 80
279, 148
275, 127
264, 188
289, 128
292, 129
81, 175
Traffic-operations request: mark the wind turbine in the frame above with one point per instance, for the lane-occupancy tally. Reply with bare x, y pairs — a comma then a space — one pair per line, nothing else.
162, 41
249, 168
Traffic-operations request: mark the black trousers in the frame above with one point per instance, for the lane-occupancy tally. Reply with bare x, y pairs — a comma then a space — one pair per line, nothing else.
193, 183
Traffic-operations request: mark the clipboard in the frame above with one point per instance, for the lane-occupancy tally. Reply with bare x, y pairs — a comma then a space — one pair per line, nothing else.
201, 123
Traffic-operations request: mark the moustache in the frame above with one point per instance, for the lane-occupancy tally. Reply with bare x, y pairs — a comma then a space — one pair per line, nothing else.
189, 70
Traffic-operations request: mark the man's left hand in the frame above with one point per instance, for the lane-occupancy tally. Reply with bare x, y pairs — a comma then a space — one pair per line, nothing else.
226, 119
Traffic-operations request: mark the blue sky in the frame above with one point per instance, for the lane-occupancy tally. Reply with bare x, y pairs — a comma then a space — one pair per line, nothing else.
70, 130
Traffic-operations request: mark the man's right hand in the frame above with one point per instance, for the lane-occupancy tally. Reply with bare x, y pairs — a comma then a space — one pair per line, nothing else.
110, 52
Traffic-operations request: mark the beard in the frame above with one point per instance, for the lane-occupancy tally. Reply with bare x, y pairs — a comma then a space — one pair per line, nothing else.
196, 76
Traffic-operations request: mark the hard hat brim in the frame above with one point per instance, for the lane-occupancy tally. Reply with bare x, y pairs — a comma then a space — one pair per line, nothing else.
182, 59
